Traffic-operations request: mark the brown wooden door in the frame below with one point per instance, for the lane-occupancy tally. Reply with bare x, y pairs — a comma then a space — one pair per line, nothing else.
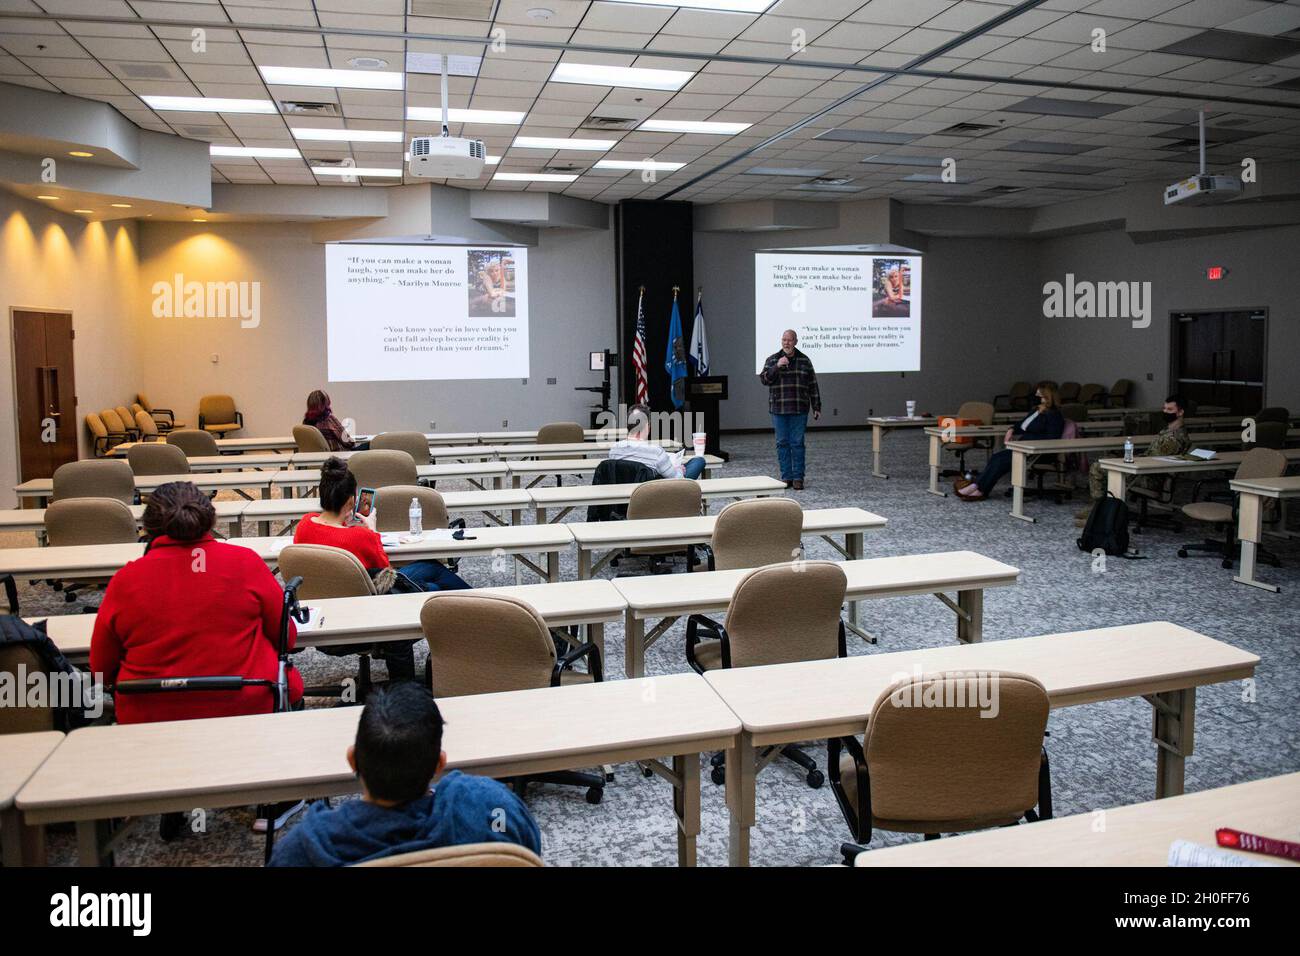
46, 392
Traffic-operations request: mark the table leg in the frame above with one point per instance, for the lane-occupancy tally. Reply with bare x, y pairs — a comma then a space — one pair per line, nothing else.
540, 517
970, 617
596, 635
584, 563
1173, 730
552, 567
20, 844
1019, 477
1115, 484
877, 438
936, 451
1250, 527
853, 545
633, 645
686, 805
740, 798
88, 832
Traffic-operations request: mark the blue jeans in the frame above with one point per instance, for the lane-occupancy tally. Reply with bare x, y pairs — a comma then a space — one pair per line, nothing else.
789, 444
999, 465
433, 576
694, 467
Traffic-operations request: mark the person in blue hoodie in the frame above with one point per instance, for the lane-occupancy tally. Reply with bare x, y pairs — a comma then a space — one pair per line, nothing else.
398, 751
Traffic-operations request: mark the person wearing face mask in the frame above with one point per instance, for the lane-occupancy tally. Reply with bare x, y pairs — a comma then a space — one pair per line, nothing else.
1172, 440
1044, 423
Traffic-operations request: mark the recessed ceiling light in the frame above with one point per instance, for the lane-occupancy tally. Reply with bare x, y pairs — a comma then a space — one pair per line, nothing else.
367, 63
121, 205
535, 177
341, 79
80, 153
257, 152
348, 135
208, 104
47, 197
693, 126
454, 115
540, 13
355, 171
630, 164
88, 212
559, 142
636, 77
731, 6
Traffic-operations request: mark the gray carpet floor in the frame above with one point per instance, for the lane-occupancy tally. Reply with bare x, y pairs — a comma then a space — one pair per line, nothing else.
1102, 755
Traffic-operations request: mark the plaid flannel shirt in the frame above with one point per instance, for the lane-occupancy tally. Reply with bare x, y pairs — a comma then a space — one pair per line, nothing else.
791, 390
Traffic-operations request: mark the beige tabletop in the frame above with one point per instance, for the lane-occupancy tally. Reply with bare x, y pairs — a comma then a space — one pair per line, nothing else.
1285, 487
573, 465
20, 756
455, 501
486, 469
214, 481
591, 535
571, 495
33, 519
1136, 835
1159, 464
206, 463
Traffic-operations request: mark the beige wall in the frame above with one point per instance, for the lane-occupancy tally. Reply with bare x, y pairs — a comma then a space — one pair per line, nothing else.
55, 262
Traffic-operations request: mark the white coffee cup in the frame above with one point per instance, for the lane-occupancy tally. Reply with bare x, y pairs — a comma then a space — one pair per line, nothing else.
700, 439
911, 409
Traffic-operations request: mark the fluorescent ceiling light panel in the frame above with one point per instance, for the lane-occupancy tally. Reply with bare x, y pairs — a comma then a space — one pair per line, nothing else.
885, 159
635, 77
342, 79
207, 104
354, 171
729, 6
709, 127
784, 171
349, 135
630, 164
255, 152
492, 117
535, 177
558, 142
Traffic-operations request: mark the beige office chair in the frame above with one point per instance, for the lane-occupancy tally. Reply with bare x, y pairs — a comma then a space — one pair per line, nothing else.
778, 614
87, 521
165, 417
100, 437
1273, 413
1271, 434
379, 469
413, 443
981, 412
95, 478
218, 415
560, 433
945, 769
146, 426
193, 443
392, 508
114, 423
1068, 392
466, 854
309, 439
483, 644
755, 532
664, 498
1222, 515
1119, 394
1016, 400
157, 458
1092, 394
329, 572
128, 419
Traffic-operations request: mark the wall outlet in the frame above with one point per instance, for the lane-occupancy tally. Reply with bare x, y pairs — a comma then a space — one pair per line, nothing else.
1151, 376
550, 381
505, 423
523, 381
433, 426
215, 358
834, 412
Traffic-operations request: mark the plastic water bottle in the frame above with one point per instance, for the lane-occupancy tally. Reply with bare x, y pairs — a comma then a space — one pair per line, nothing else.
1128, 449
417, 517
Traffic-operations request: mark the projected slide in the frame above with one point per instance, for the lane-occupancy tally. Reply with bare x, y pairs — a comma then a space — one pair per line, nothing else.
853, 312
406, 312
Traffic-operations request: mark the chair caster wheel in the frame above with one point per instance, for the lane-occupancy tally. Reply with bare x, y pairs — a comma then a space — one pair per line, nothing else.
1182, 552
1226, 564
647, 772
69, 597
815, 779
595, 795
718, 775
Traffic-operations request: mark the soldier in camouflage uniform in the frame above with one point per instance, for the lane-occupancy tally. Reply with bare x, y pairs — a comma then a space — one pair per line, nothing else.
1172, 440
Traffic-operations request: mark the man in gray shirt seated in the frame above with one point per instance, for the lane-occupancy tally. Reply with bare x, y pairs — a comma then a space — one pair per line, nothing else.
637, 447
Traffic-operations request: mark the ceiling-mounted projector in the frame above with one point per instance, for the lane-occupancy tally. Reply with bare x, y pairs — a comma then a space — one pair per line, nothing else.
446, 157
1204, 187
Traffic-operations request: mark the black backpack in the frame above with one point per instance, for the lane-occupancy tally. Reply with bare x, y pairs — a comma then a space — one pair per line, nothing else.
1106, 528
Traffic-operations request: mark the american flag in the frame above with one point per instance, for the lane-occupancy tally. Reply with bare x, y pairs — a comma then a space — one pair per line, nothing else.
638, 353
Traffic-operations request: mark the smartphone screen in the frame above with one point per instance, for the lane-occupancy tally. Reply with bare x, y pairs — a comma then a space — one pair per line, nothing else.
365, 502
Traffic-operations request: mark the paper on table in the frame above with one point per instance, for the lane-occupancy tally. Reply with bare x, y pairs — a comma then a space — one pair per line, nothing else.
1186, 853
392, 539
315, 620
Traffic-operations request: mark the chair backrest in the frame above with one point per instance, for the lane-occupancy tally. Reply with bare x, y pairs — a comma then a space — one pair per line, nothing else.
755, 532
72, 521
98, 430
1270, 435
465, 854
137, 408
378, 469
16, 660
1119, 392
1020, 390
1262, 463
308, 438
560, 433
124, 413
481, 643
393, 504
327, 572
786, 612
1074, 412
217, 410
1068, 392
1273, 413
143, 399
95, 478
157, 458
1143, 423
666, 498
981, 412
946, 767
1091, 393
413, 443
193, 442
113, 421
145, 424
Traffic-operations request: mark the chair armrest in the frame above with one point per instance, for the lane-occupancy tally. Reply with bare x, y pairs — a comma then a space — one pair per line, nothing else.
589, 651
858, 817
718, 632
239, 417
201, 422
154, 685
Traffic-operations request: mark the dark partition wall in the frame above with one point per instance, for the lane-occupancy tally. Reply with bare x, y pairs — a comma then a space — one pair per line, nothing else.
655, 251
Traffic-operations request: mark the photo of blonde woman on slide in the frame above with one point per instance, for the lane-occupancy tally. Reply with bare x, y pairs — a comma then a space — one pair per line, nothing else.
491, 283
891, 289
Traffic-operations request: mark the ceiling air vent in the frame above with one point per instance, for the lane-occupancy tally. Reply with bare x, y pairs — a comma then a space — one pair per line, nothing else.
567, 169
830, 181
308, 108
147, 71
609, 122
453, 9
966, 129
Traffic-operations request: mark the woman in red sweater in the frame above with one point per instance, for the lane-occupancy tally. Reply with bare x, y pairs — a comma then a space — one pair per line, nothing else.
192, 606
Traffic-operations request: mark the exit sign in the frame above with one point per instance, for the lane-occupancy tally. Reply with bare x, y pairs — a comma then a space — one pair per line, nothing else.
1214, 273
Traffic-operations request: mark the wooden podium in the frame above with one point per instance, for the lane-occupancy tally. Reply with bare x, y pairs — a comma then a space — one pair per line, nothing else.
703, 395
